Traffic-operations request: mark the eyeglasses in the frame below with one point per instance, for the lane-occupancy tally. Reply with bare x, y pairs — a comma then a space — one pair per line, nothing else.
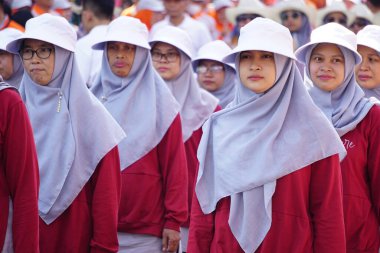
170, 57
342, 21
287, 14
245, 17
361, 22
42, 53
201, 69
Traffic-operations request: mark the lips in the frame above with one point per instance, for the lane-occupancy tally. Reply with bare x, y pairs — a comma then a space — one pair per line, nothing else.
255, 78
162, 69
325, 77
364, 77
119, 64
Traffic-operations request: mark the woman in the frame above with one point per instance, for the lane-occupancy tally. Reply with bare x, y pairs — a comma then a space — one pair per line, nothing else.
18, 176
153, 161
330, 59
10, 64
368, 71
76, 140
254, 192
171, 53
215, 76
336, 12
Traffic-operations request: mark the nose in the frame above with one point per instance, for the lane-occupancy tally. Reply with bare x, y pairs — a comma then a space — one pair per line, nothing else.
255, 65
364, 65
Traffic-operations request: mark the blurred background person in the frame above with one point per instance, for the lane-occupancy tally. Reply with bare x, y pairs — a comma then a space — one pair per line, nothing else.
363, 16
223, 26
336, 11
6, 17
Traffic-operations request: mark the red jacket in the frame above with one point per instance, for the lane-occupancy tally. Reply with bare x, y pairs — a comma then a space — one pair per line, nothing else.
18, 174
307, 216
154, 189
89, 224
361, 184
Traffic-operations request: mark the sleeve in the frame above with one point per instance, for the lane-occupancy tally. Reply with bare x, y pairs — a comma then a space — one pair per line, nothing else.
106, 187
173, 166
201, 229
373, 163
22, 175
326, 206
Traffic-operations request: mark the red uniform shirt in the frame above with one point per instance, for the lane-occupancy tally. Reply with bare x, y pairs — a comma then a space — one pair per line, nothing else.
89, 224
307, 216
154, 188
361, 184
18, 173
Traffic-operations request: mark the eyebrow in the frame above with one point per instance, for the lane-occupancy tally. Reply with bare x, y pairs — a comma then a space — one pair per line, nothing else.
335, 55
40, 45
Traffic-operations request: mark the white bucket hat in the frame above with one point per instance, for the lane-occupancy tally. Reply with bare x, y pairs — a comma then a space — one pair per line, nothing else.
330, 33
362, 11
131, 30
297, 5
174, 36
247, 7
7, 35
16, 4
153, 5
270, 34
61, 4
215, 50
334, 6
369, 36
49, 28
218, 4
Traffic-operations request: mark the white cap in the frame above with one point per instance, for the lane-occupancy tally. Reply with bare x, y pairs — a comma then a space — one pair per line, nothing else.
7, 35
49, 28
297, 5
215, 50
330, 33
153, 5
125, 29
245, 7
175, 37
264, 35
369, 36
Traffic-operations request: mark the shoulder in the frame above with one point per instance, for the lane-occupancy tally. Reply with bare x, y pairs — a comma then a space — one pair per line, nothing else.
9, 97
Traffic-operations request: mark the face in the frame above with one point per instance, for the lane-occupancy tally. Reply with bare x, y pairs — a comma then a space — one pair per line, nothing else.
327, 66
210, 75
358, 24
292, 20
120, 57
6, 64
175, 8
166, 60
337, 17
257, 70
368, 71
40, 66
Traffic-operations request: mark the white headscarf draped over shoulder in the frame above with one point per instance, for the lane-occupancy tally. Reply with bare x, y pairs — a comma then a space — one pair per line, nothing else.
7, 35
215, 51
196, 104
345, 106
72, 130
256, 140
369, 36
141, 102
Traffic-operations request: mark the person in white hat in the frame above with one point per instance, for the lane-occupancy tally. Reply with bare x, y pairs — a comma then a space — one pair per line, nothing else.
76, 140
148, 11
153, 161
223, 25
368, 71
243, 13
176, 16
298, 17
336, 11
330, 58
172, 52
19, 179
363, 16
63, 7
11, 68
213, 74
254, 191
40, 7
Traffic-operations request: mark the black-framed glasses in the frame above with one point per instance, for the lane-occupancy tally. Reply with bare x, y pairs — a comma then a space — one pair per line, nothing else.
42, 53
360, 22
246, 17
329, 19
285, 15
170, 57
201, 69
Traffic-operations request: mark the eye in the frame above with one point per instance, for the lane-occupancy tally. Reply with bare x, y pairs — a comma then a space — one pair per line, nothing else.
245, 56
171, 55
337, 60
267, 56
374, 59
45, 49
111, 47
317, 59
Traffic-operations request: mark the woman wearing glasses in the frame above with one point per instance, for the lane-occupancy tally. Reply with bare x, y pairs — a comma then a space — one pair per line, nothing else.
76, 140
298, 18
213, 75
153, 161
171, 53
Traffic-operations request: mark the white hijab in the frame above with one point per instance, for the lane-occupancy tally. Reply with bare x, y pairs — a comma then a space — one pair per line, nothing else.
72, 130
196, 104
246, 147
